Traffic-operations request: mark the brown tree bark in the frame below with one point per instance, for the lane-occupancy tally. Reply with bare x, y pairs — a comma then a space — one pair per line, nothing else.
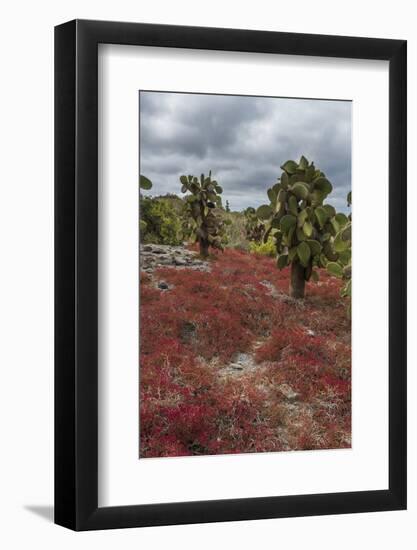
297, 282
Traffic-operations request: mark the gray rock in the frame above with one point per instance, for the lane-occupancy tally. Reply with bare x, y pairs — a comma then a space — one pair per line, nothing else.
243, 358
235, 366
153, 256
163, 285
288, 392
180, 261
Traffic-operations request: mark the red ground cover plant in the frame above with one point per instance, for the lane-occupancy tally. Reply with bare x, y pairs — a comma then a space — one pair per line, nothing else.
193, 402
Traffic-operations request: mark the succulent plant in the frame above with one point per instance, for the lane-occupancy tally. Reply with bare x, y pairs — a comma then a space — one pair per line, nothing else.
342, 246
145, 183
254, 228
302, 225
203, 220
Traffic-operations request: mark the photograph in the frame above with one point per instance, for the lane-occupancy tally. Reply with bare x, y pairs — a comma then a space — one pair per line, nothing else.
187, 359
245, 274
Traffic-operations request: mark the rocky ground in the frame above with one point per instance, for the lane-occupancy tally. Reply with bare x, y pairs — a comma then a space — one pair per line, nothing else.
153, 256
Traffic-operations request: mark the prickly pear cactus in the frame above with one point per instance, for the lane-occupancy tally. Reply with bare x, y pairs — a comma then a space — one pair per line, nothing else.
254, 229
342, 248
144, 182
203, 220
302, 225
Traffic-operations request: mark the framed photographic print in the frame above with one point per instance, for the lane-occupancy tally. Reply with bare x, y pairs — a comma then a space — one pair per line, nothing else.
230, 247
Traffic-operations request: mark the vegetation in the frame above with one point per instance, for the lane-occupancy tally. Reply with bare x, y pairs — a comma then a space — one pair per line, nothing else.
342, 247
144, 182
304, 228
295, 391
255, 229
202, 201
163, 216
161, 220
265, 248
235, 230
297, 225
192, 402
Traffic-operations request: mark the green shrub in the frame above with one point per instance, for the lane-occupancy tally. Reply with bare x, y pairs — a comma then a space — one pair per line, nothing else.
235, 231
163, 225
266, 249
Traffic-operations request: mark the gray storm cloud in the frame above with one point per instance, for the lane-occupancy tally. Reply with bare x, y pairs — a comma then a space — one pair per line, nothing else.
243, 141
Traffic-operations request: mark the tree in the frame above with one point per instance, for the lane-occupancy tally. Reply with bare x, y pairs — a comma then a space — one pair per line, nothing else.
303, 227
201, 203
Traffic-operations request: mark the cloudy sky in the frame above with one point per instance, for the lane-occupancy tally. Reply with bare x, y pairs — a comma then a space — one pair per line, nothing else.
243, 141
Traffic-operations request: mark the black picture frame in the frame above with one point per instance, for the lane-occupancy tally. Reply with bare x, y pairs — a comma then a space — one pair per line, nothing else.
76, 272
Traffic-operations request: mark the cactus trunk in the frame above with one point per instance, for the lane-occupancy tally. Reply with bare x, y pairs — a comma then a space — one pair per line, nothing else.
297, 283
204, 248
